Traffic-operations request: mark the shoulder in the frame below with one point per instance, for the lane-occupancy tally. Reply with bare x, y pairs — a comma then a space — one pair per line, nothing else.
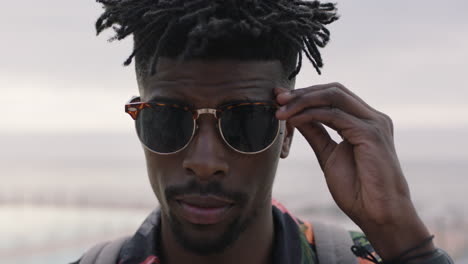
334, 244
106, 252
76, 262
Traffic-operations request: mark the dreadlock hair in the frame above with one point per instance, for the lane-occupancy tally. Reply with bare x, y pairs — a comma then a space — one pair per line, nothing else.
220, 29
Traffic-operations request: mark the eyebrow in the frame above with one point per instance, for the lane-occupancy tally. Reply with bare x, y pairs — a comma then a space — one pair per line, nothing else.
239, 99
225, 102
170, 100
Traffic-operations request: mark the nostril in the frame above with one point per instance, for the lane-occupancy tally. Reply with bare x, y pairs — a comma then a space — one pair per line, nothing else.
189, 171
205, 170
219, 173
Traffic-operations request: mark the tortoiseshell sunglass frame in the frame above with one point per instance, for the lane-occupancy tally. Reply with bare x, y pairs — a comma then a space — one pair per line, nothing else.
134, 106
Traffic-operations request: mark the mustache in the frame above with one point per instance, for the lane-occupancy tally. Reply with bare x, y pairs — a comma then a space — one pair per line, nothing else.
214, 188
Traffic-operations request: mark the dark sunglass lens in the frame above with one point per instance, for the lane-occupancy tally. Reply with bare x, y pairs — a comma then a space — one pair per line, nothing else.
249, 128
164, 129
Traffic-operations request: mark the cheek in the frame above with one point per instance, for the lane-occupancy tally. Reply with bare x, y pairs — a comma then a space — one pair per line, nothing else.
160, 170
260, 173
252, 174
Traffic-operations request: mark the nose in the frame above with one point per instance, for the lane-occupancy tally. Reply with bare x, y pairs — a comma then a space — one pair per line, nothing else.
205, 156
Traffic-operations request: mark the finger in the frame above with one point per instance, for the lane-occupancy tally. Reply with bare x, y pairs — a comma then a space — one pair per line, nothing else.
329, 97
279, 90
319, 140
349, 127
284, 95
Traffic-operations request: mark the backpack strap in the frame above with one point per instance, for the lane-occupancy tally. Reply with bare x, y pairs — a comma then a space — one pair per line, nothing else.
333, 244
104, 253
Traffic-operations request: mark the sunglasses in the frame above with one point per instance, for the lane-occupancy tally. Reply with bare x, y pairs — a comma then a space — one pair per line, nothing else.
167, 128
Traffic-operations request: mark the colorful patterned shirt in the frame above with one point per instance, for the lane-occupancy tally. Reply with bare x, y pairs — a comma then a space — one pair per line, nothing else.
294, 241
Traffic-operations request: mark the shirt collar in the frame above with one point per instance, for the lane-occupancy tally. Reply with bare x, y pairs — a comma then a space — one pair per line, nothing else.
290, 246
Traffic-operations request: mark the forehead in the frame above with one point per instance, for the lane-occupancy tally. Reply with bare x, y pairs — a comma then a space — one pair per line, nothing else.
207, 83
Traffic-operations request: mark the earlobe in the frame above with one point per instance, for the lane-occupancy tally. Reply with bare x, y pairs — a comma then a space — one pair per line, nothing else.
287, 140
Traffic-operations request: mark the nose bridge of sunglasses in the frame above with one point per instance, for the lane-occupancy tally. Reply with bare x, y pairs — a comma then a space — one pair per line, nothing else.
204, 111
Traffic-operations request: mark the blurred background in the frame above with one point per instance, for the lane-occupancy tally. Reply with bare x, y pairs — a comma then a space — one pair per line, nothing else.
72, 170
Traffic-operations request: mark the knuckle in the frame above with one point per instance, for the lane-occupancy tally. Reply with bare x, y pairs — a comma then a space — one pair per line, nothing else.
307, 99
374, 132
333, 92
338, 85
336, 112
301, 91
335, 96
300, 103
309, 96
386, 118
386, 121
335, 115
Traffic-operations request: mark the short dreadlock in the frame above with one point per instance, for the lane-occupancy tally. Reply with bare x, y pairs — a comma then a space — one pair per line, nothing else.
220, 29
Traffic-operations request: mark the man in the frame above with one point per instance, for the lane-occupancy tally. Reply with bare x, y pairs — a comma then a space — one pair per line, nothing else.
218, 108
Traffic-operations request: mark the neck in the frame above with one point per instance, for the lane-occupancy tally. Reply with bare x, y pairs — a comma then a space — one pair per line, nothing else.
253, 246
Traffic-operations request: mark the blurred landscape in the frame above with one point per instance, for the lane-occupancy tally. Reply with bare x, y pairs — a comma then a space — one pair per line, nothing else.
72, 171
62, 193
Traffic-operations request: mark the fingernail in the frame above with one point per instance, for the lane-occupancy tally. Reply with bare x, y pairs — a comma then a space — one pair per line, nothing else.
279, 90
285, 96
282, 109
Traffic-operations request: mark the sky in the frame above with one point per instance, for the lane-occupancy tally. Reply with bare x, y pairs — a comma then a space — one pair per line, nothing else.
408, 59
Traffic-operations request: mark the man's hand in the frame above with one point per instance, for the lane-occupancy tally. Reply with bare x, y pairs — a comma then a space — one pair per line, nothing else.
362, 172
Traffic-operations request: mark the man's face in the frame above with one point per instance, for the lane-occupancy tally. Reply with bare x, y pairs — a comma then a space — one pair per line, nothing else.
209, 194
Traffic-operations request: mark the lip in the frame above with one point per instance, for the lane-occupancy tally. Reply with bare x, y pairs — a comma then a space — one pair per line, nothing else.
204, 210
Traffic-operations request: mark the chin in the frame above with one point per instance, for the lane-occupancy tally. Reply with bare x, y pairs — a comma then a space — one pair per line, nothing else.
209, 239
206, 239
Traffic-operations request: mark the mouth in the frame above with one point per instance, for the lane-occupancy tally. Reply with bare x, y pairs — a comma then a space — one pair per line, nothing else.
204, 209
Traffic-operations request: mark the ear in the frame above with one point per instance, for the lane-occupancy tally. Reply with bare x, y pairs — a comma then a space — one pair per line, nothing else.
287, 140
